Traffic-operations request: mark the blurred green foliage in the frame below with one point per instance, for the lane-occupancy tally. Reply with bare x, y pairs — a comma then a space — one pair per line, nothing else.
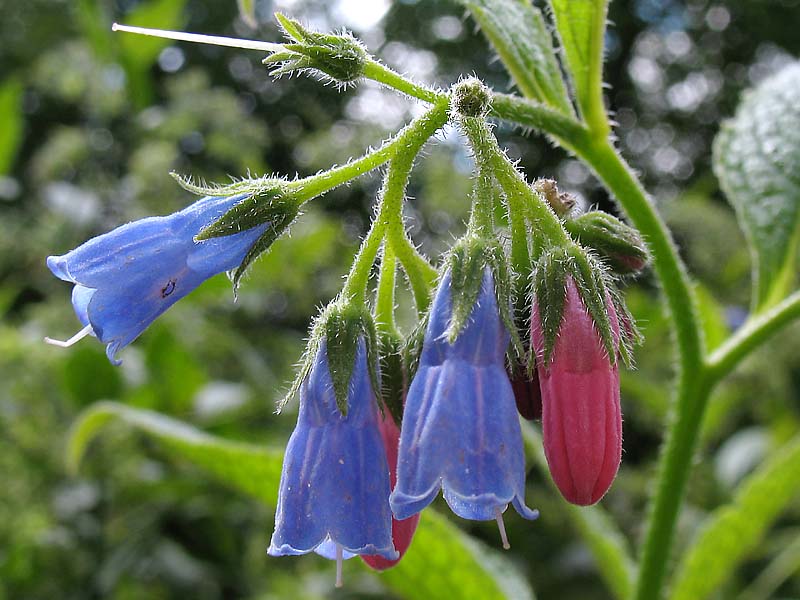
91, 123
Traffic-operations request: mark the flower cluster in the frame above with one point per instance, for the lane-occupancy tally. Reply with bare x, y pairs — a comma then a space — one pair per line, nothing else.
364, 460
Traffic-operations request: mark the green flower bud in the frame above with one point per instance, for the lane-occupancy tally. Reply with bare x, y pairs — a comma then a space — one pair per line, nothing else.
471, 98
340, 57
618, 244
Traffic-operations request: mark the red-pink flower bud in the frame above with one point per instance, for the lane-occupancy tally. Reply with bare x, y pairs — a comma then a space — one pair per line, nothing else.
526, 393
581, 417
402, 531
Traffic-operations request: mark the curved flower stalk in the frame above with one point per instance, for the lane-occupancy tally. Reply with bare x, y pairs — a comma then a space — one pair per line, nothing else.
581, 417
126, 278
334, 491
460, 429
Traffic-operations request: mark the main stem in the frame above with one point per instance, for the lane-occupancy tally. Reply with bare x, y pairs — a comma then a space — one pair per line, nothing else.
693, 386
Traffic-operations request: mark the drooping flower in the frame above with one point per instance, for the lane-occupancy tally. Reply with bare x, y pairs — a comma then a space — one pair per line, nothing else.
460, 429
126, 278
402, 530
581, 417
334, 490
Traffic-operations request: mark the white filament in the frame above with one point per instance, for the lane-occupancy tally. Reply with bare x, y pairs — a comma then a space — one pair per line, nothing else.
502, 527
71, 341
339, 560
214, 40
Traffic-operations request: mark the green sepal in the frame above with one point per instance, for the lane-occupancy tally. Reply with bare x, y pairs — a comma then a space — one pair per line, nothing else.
339, 326
629, 335
393, 374
246, 185
549, 289
467, 260
269, 200
276, 228
339, 56
620, 246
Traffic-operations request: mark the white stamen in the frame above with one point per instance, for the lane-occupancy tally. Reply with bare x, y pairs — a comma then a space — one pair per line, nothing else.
502, 527
214, 40
71, 341
339, 560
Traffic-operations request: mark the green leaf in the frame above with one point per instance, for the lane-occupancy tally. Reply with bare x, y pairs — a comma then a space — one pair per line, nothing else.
248, 468
781, 568
712, 315
517, 30
11, 122
441, 557
581, 26
757, 160
601, 535
734, 530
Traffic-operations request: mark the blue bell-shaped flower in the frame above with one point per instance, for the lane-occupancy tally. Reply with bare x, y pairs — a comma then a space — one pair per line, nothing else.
334, 491
126, 278
460, 426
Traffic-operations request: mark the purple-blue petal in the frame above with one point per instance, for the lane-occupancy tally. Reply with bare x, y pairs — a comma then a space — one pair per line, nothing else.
335, 478
460, 426
140, 269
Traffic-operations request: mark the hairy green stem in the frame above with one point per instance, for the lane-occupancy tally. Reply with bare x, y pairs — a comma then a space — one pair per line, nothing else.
489, 154
388, 221
310, 187
529, 113
383, 74
752, 334
384, 298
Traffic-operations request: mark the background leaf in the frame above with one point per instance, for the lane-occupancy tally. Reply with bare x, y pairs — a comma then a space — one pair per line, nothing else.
757, 160
519, 33
440, 558
603, 538
11, 122
138, 53
247, 10
581, 26
734, 530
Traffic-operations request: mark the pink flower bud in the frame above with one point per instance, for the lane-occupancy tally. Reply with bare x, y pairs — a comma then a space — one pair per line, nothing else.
402, 531
581, 417
527, 394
